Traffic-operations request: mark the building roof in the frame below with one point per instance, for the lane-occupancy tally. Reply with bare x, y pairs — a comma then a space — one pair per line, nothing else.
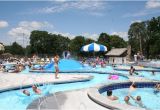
116, 52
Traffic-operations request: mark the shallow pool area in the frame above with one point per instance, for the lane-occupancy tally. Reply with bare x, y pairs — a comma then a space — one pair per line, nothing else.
150, 99
15, 100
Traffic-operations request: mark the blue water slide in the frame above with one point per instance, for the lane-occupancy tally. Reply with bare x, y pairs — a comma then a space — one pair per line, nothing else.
64, 64
49, 66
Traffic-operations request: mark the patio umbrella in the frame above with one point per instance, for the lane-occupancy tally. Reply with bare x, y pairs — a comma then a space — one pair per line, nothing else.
93, 47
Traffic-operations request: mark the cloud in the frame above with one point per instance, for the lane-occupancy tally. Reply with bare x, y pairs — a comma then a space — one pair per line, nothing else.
153, 4
123, 35
92, 7
3, 24
144, 12
136, 21
93, 36
69, 35
24, 29
149, 9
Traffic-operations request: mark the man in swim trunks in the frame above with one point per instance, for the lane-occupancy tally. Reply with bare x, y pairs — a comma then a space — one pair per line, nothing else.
56, 60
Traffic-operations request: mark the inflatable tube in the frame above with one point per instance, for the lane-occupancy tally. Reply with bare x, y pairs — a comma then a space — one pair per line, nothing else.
113, 77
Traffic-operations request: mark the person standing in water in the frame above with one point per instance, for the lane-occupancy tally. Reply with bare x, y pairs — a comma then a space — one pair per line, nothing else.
56, 60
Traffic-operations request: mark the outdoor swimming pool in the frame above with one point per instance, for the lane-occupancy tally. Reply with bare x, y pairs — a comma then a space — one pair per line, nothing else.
15, 100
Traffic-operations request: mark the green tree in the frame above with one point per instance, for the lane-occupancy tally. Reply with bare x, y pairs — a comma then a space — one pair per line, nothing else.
44, 43
145, 37
14, 49
76, 44
117, 42
137, 36
104, 39
38, 41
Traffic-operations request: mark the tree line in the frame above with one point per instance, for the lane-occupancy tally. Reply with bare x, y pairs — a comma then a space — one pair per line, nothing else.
43, 43
144, 37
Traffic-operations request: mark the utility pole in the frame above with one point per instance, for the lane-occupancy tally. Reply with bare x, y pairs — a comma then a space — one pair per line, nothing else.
23, 39
140, 43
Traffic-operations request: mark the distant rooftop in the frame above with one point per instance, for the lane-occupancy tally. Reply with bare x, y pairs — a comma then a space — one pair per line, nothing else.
116, 52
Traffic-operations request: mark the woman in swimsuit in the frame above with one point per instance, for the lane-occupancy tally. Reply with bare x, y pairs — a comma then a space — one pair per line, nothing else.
56, 60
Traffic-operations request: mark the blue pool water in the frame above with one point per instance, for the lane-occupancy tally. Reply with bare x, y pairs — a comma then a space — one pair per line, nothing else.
144, 74
15, 100
149, 98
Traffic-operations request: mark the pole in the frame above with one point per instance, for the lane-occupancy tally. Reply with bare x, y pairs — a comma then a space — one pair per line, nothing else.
23, 39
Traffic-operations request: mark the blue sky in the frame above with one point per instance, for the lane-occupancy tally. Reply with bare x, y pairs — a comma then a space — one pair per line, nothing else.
87, 18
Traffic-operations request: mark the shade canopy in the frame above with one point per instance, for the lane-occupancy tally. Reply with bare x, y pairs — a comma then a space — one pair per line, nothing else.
93, 47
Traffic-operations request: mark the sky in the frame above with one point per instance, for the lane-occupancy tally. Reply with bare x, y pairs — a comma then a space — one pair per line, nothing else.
72, 18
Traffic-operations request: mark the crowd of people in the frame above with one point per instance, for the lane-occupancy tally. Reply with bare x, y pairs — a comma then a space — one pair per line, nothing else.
17, 65
94, 62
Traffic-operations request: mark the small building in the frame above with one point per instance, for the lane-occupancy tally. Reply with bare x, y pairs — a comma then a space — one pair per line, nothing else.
117, 56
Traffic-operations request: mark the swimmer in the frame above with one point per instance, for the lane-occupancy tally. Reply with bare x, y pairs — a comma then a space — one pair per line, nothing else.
153, 73
138, 101
26, 92
110, 96
126, 99
157, 88
132, 88
36, 89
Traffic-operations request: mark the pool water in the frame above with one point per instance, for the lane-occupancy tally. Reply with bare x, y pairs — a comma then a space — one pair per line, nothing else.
149, 75
149, 98
144, 74
15, 100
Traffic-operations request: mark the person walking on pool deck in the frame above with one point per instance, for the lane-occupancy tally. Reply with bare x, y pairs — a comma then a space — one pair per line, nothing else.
56, 60
132, 70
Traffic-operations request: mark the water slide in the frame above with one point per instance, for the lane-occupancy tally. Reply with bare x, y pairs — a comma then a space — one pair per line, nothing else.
64, 65
49, 66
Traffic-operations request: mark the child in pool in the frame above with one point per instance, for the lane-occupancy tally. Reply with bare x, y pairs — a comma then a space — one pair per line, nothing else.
157, 88
36, 89
27, 93
132, 88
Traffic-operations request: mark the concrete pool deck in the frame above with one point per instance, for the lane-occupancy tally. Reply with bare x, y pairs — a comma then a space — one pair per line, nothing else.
13, 80
76, 99
69, 100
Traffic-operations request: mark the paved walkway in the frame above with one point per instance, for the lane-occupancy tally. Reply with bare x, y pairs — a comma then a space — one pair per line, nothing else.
14, 80
70, 100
